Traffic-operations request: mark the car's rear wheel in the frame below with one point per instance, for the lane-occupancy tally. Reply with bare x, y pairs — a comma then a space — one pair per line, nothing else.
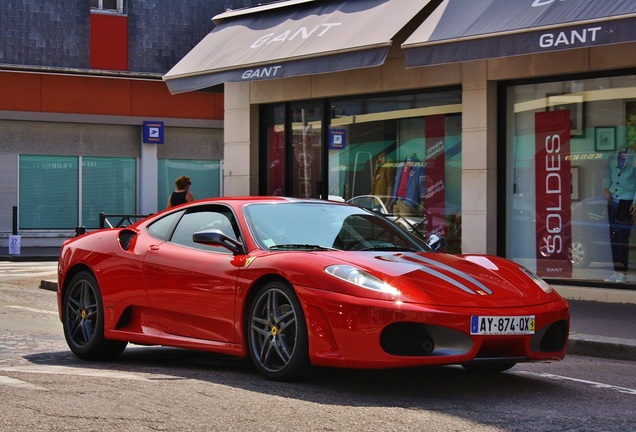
83, 320
277, 333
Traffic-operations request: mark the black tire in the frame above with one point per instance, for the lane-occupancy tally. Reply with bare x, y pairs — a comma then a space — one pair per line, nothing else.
83, 320
277, 333
489, 368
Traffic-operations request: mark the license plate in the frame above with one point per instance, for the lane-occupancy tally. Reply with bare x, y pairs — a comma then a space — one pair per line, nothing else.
502, 325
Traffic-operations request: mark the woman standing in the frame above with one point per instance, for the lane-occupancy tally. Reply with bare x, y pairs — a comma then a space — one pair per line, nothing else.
182, 193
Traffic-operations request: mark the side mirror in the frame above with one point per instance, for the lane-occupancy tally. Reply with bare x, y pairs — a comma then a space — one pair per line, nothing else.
215, 237
436, 242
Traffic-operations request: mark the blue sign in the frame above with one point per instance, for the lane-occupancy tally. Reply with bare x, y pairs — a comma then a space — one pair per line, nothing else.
337, 138
153, 132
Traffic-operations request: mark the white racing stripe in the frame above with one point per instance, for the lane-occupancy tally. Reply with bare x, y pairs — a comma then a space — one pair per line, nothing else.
590, 383
30, 309
425, 265
452, 270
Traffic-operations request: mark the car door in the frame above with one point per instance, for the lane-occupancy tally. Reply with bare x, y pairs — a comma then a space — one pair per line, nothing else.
192, 287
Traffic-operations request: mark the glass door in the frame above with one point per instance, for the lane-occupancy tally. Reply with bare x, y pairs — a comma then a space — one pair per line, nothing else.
306, 147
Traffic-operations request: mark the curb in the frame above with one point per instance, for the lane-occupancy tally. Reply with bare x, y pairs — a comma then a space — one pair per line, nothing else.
603, 295
48, 285
604, 347
28, 258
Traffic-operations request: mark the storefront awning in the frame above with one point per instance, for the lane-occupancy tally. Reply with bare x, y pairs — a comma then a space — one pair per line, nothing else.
293, 38
463, 30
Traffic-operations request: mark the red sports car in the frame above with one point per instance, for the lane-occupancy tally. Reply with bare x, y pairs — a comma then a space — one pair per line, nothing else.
299, 283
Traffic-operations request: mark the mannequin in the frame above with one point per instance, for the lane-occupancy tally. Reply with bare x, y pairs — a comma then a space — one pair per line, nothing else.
620, 192
407, 187
383, 176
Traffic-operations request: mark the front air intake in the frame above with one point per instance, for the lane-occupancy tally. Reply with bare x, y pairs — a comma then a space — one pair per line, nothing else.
555, 337
407, 339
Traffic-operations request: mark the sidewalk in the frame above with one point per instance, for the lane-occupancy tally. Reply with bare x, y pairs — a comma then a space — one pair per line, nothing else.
603, 329
603, 321
32, 254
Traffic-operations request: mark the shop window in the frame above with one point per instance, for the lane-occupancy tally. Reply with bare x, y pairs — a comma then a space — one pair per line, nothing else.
565, 143
111, 6
48, 192
368, 143
109, 185
63, 192
402, 154
274, 129
206, 176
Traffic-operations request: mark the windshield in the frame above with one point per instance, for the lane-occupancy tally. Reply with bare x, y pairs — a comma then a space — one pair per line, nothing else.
320, 226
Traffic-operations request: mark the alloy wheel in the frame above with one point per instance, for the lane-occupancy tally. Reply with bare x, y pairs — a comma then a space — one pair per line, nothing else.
277, 333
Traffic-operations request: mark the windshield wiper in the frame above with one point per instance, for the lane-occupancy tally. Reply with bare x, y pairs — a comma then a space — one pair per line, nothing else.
389, 247
294, 246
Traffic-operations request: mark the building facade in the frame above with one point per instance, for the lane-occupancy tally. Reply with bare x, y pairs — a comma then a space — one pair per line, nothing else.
511, 121
86, 123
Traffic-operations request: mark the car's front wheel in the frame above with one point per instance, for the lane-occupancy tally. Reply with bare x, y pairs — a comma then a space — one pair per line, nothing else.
83, 320
277, 333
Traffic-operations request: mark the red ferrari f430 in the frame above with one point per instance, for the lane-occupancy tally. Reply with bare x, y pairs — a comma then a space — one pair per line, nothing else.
295, 284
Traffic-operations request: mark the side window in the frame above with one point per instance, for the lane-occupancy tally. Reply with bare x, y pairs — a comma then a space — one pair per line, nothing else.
161, 229
113, 6
205, 218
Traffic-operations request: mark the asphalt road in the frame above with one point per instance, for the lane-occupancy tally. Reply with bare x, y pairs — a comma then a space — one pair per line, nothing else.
44, 387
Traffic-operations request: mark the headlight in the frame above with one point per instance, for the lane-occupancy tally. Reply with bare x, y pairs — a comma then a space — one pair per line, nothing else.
360, 278
536, 279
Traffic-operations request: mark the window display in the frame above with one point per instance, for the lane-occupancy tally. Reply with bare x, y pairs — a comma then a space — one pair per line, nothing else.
570, 177
396, 154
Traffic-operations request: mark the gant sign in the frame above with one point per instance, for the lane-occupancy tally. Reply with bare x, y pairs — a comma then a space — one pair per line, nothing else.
292, 34
280, 37
263, 72
569, 37
507, 28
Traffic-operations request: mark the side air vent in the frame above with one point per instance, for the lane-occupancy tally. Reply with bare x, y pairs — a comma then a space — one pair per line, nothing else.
125, 239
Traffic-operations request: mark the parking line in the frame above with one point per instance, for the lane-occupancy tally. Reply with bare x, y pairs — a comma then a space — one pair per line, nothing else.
30, 309
13, 382
65, 370
581, 381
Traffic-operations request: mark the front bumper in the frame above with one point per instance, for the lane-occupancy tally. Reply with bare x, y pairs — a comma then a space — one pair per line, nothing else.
347, 331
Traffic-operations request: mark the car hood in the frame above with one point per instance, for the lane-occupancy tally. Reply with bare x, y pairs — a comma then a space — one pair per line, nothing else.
453, 280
